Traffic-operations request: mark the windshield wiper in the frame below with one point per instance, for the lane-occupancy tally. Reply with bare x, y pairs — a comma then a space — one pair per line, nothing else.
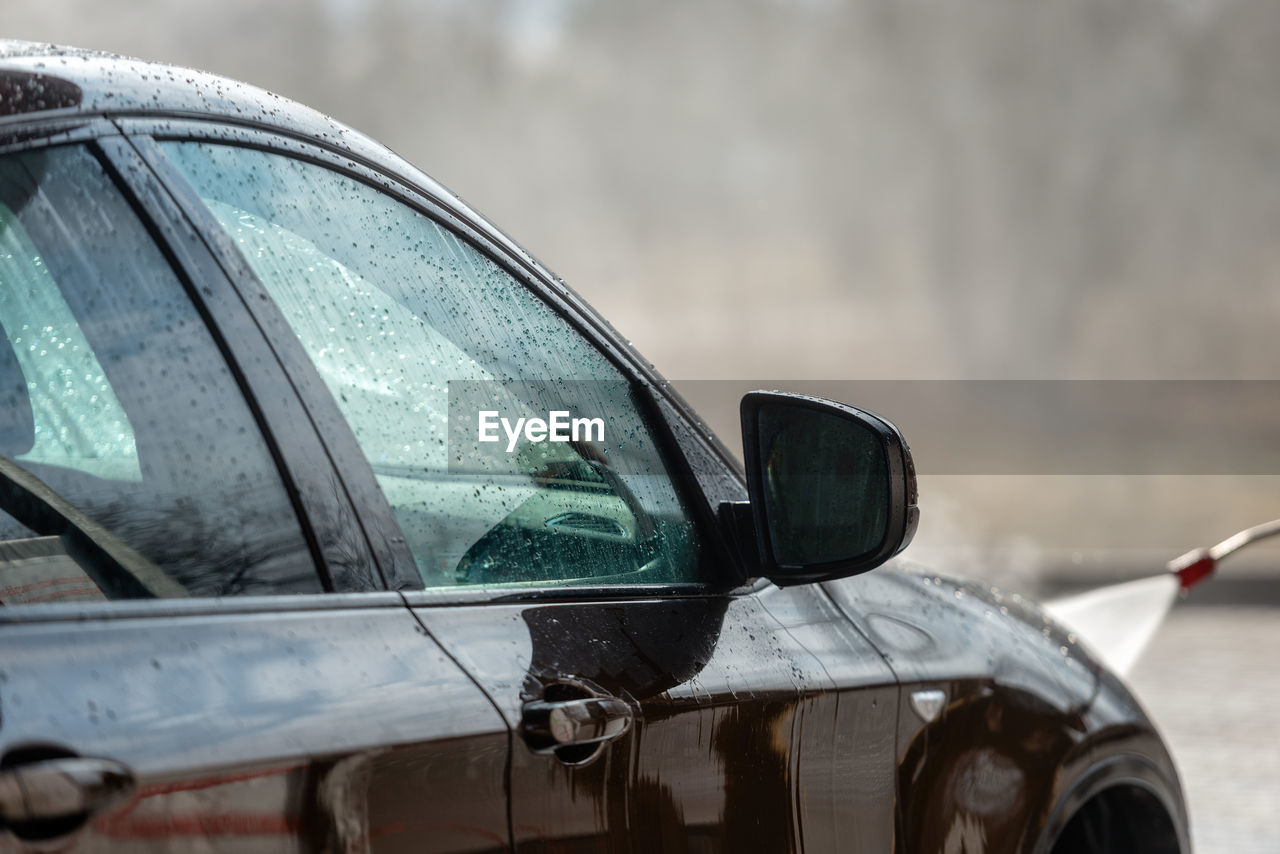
28, 499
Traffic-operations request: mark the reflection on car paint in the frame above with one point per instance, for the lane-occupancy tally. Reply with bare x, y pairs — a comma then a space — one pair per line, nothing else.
1027, 709
732, 702
322, 747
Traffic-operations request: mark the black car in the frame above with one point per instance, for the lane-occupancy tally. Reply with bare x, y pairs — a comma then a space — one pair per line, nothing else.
271, 584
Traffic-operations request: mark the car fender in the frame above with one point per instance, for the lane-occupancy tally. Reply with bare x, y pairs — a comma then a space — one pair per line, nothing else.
1006, 724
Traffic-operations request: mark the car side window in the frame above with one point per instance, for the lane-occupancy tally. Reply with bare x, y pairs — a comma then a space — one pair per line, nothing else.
416, 334
114, 396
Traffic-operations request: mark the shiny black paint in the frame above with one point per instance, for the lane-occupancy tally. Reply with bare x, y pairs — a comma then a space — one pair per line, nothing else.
253, 728
1030, 715
744, 738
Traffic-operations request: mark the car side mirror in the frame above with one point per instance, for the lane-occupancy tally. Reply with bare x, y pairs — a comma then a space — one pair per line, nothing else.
832, 488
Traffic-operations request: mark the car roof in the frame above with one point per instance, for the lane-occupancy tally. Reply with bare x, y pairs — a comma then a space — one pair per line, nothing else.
51, 80
46, 81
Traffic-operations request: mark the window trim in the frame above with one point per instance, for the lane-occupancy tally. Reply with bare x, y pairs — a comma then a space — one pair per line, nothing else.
173, 239
16, 137
369, 509
249, 360
373, 508
156, 609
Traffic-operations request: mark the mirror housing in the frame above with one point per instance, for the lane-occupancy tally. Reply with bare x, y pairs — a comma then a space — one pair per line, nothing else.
832, 488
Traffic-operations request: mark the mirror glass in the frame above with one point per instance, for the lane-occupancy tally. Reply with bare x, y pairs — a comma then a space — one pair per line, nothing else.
826, 484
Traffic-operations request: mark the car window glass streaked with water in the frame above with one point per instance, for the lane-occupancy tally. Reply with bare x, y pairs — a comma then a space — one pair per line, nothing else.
395, 311
114, 394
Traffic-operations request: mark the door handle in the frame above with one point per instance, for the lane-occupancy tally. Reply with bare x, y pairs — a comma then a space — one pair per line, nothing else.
551, 725
61, 788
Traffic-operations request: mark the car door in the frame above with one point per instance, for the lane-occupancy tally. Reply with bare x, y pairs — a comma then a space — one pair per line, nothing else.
657, 703
196, 649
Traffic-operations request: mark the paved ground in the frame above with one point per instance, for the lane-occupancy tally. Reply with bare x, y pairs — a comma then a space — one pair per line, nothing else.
1211, 681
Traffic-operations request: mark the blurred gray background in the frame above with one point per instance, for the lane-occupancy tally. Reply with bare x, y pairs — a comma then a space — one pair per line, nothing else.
768, 193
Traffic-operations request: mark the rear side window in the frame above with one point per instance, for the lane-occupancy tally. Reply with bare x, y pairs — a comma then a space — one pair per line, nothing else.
116, 399
416, 333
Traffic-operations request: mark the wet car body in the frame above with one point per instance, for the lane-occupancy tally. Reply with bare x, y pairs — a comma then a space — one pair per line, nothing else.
891, 711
